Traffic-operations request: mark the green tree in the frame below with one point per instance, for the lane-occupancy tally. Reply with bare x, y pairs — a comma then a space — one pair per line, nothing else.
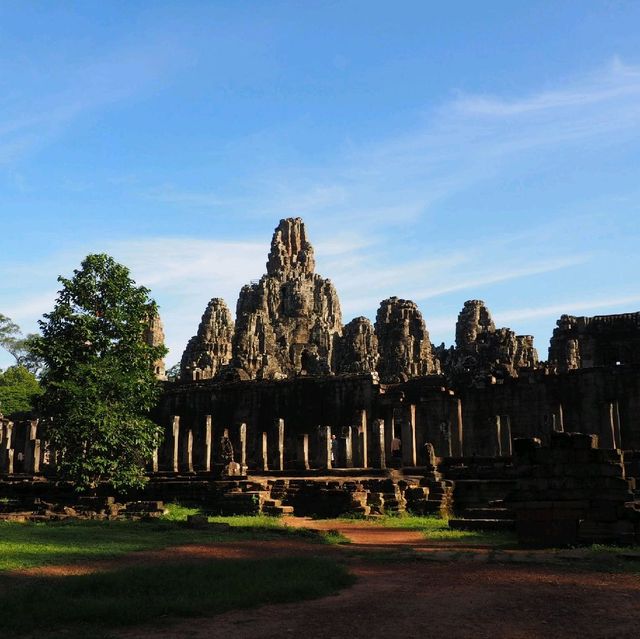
173, 373
19, 390
98, 379
22, 348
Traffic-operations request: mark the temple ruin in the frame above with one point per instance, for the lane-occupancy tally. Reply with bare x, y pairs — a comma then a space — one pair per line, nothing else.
287, 408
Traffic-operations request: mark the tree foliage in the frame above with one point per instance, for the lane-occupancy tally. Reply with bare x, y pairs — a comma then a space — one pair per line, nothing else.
98, 378
19, 390
173, 373
22, 348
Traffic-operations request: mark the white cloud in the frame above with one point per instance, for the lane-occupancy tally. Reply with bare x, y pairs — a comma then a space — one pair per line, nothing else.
569, 307
366, 193
617, 81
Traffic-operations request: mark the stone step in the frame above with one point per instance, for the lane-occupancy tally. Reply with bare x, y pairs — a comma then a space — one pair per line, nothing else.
486, 513
482, 524
278, 510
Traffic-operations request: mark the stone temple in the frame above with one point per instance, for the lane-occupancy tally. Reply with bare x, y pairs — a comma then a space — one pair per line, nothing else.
289, 324
288, 408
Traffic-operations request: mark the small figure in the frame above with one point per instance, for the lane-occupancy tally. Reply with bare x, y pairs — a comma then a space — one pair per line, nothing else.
334, 449
226, 449
396, 447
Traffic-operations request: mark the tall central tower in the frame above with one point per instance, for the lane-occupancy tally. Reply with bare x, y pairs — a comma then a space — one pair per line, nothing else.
288, 322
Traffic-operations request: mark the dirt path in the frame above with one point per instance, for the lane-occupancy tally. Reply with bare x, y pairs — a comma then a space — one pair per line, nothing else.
424, 600
421, 600
411, 598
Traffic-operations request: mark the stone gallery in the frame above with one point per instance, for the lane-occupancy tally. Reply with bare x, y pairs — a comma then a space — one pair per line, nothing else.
288, 409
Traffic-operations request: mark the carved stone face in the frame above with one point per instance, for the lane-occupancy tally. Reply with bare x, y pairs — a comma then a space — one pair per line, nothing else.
294, 301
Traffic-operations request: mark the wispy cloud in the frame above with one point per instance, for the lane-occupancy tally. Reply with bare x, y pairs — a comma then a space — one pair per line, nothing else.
571, 307
365, 194
387, 182
33, 118
450, 274
617, 82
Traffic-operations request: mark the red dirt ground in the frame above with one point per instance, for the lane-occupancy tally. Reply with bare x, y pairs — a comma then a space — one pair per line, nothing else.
411, 599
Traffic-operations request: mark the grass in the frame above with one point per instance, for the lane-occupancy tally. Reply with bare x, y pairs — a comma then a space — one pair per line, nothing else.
437, 529
137, 595
142, 594
26, 545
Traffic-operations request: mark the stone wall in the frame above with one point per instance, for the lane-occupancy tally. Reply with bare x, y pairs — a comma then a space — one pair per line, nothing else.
604, 401
571, 492
604, 340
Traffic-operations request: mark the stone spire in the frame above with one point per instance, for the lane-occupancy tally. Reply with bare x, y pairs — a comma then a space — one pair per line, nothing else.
403, 341
291, 253
288, 322
474, 319
209, 350
358, 350
482, 349
154, 336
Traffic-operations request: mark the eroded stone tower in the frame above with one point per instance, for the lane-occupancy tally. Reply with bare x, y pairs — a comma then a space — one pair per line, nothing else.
211, 349
403, 341
482, 349
288, 322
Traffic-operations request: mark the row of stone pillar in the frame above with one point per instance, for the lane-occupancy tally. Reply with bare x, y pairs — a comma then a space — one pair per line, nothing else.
28, 458
610, 430
359, 446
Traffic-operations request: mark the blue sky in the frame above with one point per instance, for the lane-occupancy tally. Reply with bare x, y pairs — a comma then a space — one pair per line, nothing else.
437, 151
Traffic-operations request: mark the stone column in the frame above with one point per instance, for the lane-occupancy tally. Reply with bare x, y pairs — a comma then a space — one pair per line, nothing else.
280, 458
242, 435
208, 443
185, 450
378, 450
8, 464
264, 452
302, 452
36, 457
154, 460
497, 439
324, 448
558, 420
6, 449
457, 436
189, 452
618, 425
614, 424
363, 440
175, 443
345, 450
505, 435
31, 456
409, 453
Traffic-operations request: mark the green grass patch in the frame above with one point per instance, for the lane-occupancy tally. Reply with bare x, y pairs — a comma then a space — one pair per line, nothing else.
25, 545
137, 595
334, 537
437, 529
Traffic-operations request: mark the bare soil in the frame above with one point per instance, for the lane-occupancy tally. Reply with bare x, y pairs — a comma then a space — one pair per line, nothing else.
411, 598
